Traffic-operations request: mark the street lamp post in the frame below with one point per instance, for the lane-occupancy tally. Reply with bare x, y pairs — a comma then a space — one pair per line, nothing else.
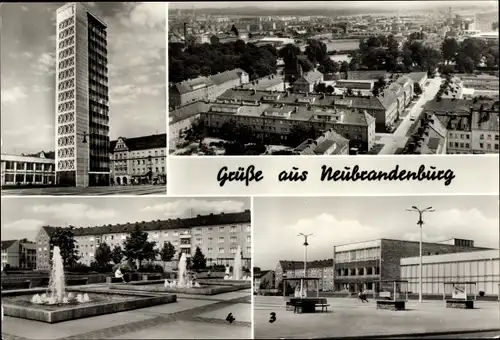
420, 222
305, 258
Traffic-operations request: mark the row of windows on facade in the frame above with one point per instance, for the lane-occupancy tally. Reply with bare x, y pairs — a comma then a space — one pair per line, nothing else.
149, 161
142, 171
66, 23
67, 42
66, 153
97, 37
100, 98
66, 84
198, 241
99, 108
66, 95
123, 155
101, 50
66, 63
66, 165
357, 255
27, 166
97, 68
488, 146
96, 43
66, 129
28, 178
363, 271
70, 72
68, 52
466, 268
97, 87
67, 140
67, 32
232, 250
175, 233
97, 58
99, 119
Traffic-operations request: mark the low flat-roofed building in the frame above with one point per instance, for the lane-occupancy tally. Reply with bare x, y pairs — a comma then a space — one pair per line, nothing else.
25, 169
480, 267
355, 84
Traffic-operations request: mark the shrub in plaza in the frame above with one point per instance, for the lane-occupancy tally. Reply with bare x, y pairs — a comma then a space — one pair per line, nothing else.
117, 254
64, 238
151, 268
199, 260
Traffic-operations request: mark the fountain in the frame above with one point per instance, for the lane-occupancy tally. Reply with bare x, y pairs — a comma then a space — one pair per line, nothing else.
56, 292
183, 284
55, 304
237, 269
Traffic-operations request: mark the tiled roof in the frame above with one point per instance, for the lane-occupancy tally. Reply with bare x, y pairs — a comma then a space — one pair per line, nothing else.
361, 102
387, 98
309, 77
190, 85
458, 106
6, 244
199, 221
223, 77
143, 142
186, 111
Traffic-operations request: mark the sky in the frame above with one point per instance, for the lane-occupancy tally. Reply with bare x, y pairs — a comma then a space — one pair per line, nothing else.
325, 4
137, 77
343, 220
23, 217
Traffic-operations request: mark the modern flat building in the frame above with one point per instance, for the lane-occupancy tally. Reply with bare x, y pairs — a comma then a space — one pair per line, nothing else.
139, 160
480, 267
82, 102
217, 235
37, 169
181, 119
363, 265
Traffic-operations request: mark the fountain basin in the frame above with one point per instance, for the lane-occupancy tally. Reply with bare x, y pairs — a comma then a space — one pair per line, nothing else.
244, 284
157, 286
18, 304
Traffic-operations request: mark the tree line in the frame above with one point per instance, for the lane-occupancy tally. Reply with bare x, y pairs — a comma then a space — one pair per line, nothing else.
208, 59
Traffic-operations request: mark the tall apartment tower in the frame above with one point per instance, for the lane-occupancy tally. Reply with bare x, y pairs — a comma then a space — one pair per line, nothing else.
82, 102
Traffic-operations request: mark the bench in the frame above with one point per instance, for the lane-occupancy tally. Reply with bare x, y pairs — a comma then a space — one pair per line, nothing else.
308, 305
112, 279
458, 303
391, 305
151, 277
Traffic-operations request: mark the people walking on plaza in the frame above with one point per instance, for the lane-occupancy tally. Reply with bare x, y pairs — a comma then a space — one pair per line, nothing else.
362, 296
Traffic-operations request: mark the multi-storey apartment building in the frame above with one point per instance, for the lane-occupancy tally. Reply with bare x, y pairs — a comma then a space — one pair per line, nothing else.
18, 254
82, 102
485, 130
205, 88
217, 235
139, 160
28, 169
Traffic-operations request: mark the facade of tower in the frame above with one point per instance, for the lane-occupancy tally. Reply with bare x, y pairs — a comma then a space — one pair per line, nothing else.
82, 102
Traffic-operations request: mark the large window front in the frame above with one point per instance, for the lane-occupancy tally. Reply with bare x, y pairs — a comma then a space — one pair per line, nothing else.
485, 273
357, 255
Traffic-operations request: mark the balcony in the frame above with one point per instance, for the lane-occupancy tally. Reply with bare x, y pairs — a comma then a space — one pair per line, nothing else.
185, 245
185, 235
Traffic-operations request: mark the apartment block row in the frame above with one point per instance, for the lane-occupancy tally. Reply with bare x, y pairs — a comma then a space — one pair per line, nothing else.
217, 235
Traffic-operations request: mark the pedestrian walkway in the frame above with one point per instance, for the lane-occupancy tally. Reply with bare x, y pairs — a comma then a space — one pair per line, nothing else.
188, 318
351, 317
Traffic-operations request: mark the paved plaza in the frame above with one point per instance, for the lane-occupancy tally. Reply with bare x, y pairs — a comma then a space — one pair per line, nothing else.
348, 317
191, 317
89, 191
